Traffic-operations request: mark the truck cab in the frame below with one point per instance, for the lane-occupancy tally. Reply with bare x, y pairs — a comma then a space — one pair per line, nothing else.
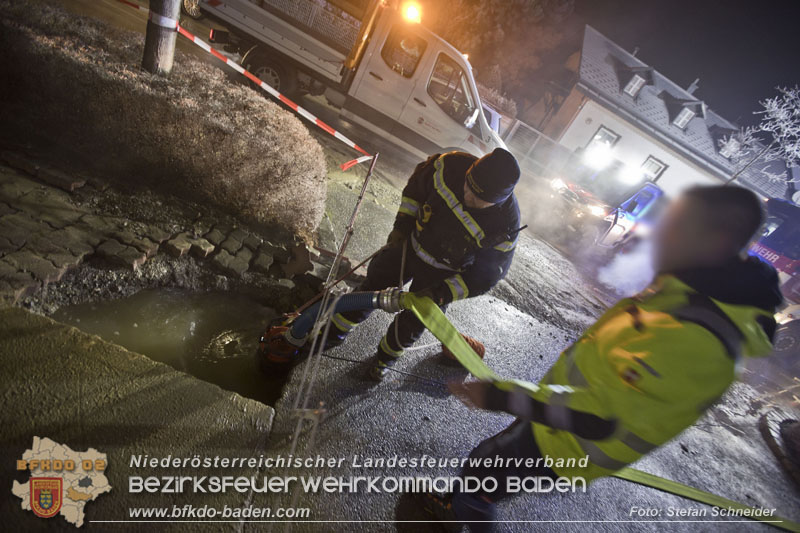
377, 65
420, 90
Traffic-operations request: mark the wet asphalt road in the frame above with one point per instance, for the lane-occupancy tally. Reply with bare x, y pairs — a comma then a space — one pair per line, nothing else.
411, 416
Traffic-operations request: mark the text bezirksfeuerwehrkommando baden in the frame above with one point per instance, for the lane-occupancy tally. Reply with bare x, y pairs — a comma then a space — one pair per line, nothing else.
376, 483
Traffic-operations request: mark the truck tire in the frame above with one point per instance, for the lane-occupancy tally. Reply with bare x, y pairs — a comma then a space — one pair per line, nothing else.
274, 73
191, 8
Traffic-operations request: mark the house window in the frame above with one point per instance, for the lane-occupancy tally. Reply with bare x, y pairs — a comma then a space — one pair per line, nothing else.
402, 50
729, 148
683, 117
652, 168
634, 85
603, 136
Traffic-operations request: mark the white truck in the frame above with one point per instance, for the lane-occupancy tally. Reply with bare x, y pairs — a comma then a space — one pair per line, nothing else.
372, 60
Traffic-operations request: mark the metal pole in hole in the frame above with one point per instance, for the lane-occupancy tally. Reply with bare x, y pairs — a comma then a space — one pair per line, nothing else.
307, 379
349, 231
304, 389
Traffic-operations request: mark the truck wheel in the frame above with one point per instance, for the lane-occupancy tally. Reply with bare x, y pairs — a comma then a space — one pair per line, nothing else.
191, 8
273, 73
787, 339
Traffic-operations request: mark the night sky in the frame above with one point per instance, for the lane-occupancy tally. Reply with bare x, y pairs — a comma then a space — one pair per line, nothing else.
739, 50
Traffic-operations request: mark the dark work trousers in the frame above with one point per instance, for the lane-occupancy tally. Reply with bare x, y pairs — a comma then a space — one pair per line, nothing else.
384, 272
516, 441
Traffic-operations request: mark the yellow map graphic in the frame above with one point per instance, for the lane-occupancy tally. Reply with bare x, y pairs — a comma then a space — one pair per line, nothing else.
80, 486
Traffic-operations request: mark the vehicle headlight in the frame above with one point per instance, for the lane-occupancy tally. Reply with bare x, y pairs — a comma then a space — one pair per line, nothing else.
597, 210
558, 184
643, 230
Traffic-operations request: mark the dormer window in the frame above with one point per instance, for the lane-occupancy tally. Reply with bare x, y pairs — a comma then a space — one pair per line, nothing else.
684, 117
634, 85
729, 148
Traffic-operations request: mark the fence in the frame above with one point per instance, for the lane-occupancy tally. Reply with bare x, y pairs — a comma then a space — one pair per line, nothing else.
539, 156
320, 17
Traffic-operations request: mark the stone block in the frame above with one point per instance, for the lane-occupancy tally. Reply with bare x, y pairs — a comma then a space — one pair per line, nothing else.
252, 242
215, 237
231, 245
279, 252
146, 246
238, 234
99, 224
300, 263
178, 246
262, 262
229, 264
130, 257
78, 240
110, 247
245, 254
41, 269
156, 234
202, 248
11, 191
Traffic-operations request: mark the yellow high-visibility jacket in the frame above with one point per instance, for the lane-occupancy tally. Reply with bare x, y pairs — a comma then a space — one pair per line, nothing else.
648, 368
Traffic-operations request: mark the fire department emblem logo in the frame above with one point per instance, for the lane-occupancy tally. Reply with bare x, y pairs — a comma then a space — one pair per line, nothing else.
46, 496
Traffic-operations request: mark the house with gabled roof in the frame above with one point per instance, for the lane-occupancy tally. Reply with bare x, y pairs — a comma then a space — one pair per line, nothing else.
650, 123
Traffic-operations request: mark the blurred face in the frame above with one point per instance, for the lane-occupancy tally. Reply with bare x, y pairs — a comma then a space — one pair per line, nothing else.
472, 201
685, 240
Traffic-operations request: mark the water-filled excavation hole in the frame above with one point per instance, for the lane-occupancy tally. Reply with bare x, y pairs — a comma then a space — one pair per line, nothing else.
210, 335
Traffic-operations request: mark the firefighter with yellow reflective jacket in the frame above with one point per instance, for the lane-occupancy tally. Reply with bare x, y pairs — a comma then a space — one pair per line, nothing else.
649, 367
453, 238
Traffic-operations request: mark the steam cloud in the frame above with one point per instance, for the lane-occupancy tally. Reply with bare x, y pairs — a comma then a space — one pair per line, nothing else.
629, 273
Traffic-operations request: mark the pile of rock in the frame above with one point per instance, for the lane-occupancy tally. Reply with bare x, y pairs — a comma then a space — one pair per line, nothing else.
44, 234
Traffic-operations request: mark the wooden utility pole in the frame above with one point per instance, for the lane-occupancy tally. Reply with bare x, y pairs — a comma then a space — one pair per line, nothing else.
159, 42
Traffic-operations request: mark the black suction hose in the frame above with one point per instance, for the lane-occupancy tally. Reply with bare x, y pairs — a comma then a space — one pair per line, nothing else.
388, 300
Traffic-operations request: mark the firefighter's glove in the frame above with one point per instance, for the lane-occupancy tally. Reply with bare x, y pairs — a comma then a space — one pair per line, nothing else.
440, 295
396, 238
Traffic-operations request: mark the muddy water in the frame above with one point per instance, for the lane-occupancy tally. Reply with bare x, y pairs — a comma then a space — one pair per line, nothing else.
212, 335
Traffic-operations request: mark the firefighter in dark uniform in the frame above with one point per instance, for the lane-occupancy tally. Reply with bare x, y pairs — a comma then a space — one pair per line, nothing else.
453, 238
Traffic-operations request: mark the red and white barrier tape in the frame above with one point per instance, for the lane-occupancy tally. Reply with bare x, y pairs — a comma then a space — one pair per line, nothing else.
134, 5
167, 22
354, 162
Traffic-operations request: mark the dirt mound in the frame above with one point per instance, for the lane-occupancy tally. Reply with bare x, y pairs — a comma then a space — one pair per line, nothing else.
76, 85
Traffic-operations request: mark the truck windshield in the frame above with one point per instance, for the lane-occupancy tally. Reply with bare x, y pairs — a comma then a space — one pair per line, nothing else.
449, 88
403, 50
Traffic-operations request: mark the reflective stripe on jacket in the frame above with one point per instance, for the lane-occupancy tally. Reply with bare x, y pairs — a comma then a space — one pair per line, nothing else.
445, 234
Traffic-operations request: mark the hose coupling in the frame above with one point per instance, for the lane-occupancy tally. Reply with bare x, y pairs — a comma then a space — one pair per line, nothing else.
390, 299
292, 340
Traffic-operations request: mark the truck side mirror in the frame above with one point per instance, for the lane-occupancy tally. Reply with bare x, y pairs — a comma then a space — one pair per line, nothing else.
631, 207
472, 119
